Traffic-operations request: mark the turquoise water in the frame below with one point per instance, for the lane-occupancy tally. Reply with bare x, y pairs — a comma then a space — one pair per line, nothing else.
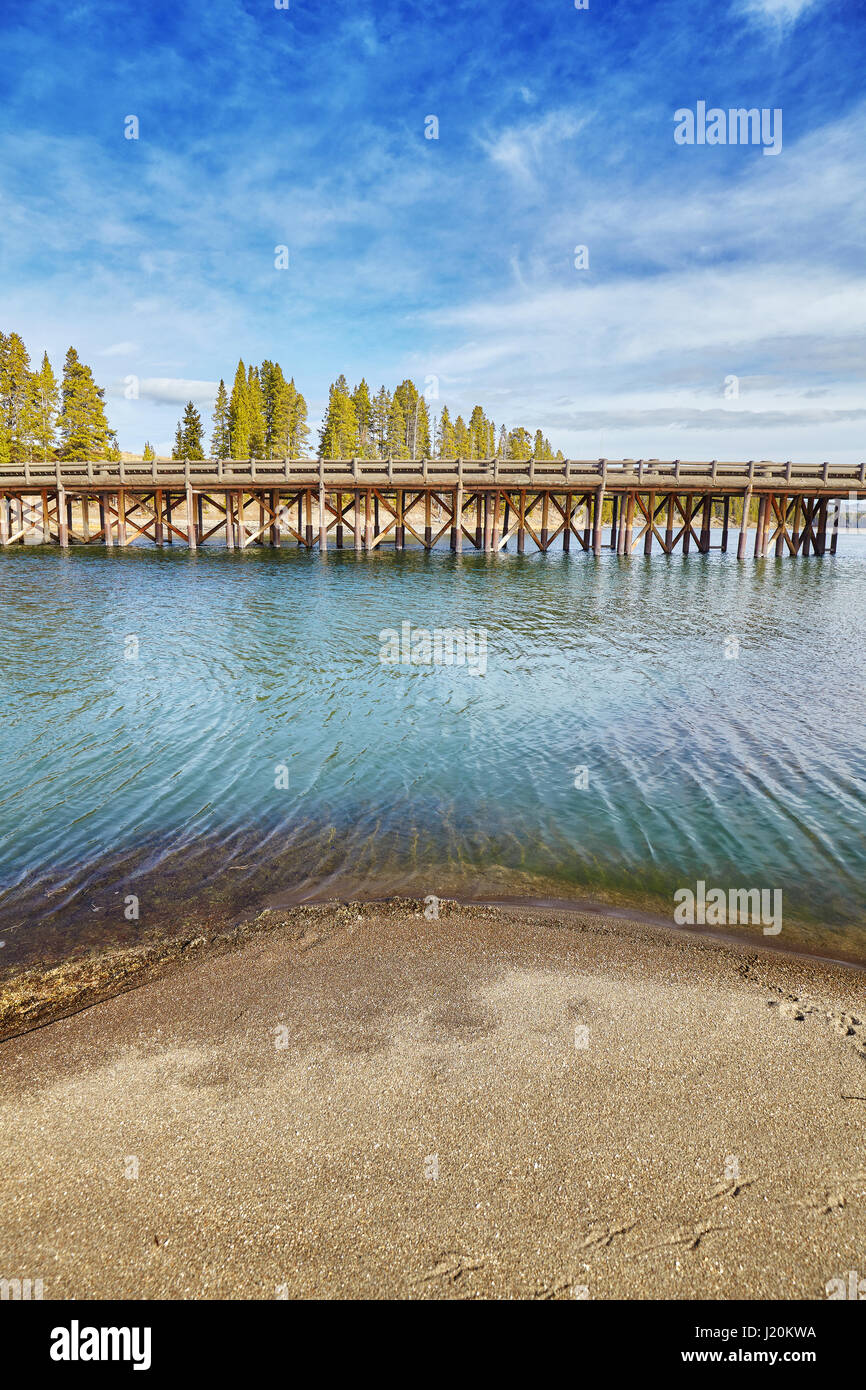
151, 767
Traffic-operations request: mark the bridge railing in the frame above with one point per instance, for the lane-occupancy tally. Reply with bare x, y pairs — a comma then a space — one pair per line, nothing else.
351, 473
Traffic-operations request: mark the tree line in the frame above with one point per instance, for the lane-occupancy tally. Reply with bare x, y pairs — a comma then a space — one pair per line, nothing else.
43, 419
266, 417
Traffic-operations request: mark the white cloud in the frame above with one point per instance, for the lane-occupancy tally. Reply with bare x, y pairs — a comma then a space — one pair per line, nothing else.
782, 13
176, 390
119, 350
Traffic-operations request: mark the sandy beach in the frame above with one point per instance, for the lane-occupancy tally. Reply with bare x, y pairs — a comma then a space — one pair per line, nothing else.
357, 1101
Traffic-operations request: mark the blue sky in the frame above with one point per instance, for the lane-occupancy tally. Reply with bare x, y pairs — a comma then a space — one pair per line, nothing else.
452, 258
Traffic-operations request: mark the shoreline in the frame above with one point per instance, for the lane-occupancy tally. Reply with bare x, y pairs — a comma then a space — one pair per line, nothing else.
359, 1101
34, 996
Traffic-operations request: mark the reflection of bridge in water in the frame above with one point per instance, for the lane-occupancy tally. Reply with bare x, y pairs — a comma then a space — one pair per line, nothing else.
362, 503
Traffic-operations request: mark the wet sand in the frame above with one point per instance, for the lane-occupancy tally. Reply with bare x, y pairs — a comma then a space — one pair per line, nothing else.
356, 1101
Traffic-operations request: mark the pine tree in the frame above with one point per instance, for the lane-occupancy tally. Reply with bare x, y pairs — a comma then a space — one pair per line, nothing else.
299, 430
15, 398
221, 439
461, 438
239, 415
44, 399
177, 447
478, 434
190, 429
364, 416
421, 432
519, 444
257, 414
339, 434
446, 447
395, 439
416, 421
381, 419
147, 452
84, 431
502, 446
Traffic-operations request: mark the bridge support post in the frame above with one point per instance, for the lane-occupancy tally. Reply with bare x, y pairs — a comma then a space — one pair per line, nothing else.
597, 511
629, 524
368, 520
4, 520
495, 531
545, 520
62, 519
834, 533
230, 522
614, 514
121, 517
339, 531
821, 546
356, 518
521, 524
706, 525
744, 525
323, 519
648, 538
759, 528
457, 529
399, 529
726, 521
768, 512
782, 503
428, 520
566, 534
105, 518
190, 518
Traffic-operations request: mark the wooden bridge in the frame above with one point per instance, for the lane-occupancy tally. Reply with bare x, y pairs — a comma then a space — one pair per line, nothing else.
364, 503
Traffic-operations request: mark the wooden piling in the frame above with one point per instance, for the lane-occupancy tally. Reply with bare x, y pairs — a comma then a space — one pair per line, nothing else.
648, 538
629, 523
726, 521
706, 525
62, 519
744, 525
597, 511
521, 524
190, 518
821, 536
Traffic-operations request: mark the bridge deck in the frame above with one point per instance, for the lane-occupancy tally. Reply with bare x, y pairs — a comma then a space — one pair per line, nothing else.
620, 475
